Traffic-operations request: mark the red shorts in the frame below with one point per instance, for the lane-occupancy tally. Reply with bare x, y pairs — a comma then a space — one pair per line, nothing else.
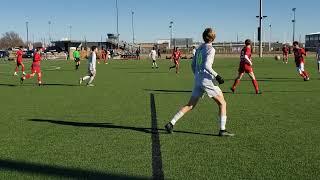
176, 62
245, 68
35, 69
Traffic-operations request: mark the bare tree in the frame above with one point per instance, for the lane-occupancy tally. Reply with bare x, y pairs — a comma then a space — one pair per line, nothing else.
37, 44
10, 39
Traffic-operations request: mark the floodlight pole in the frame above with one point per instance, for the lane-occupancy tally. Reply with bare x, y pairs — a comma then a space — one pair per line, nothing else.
294, 24
49, 23
270, 37
260, 30
171, 33
27, 26
117, 9
70, 32
132, 13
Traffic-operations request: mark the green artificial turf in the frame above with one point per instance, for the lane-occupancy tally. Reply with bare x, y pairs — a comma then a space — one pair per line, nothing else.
63, 130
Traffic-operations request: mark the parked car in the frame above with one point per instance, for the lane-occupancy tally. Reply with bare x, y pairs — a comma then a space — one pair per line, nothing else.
28, 54
4, 54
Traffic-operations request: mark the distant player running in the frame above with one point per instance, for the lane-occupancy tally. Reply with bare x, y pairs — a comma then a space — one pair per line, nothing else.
176, 55
92, 63
76, 56
35, 67
153, 55
246, 67
285, 53
205, 81
318, 57
299, 54
19, 62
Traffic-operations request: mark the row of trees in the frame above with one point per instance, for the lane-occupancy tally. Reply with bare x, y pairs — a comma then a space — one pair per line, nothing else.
12, 39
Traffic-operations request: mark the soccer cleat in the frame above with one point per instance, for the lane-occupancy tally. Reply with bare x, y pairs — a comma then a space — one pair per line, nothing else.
80, 81
90, 85
224, 133
259, 92
233, 90
21, 80
24, 73
306, 79
15, 74
169, 128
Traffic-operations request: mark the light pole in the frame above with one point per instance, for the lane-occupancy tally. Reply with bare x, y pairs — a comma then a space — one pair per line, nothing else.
117, 9
270, 37
49, 23
294, 24
171, 33
132, 13
27, 26
261, 17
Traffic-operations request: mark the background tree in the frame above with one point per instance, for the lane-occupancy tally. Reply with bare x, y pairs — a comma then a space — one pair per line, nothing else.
10, 40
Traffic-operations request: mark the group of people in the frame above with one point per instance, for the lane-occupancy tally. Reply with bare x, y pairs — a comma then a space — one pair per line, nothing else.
207, 80
176, 56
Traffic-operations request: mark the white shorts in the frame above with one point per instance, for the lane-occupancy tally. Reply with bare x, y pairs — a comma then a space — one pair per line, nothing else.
206, 86
300, 69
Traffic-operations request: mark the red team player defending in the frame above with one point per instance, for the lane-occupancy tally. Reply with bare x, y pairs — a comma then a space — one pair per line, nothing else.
299, 54
176, 55
246, 67
35, 67
285, 52
19, 55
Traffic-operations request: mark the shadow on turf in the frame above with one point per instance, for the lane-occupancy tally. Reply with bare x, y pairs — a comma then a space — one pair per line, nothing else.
168, 91
111, 126
67, 85
58, 172
226, 92
9, 85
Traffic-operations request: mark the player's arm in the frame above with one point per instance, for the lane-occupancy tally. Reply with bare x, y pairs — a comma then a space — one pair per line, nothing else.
246, 56
208, 67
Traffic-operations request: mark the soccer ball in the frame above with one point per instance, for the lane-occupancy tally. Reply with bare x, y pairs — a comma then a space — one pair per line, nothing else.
277, 58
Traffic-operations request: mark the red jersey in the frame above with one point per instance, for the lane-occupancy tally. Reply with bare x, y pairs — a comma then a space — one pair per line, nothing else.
36, 59
19, 56
245, 51
285, 50
299, 55
176, 55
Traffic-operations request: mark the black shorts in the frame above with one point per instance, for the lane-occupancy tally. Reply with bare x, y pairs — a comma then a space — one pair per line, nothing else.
77, 59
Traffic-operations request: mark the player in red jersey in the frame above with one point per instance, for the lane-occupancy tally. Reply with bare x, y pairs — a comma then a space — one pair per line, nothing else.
285, 52
299, 54
35, 67
176, 55
19, 55
246, 67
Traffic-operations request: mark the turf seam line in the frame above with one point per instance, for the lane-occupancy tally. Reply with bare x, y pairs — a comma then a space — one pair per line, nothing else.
157, 171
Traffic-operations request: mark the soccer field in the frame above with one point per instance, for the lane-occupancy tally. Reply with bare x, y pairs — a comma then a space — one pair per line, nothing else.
115, 130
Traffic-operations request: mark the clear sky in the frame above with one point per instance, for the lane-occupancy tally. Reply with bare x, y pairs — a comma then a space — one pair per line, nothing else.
95, 18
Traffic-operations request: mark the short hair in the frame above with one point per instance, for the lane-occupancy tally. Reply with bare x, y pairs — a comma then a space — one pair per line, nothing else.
295, 43
248, 42
93, 48
208, 35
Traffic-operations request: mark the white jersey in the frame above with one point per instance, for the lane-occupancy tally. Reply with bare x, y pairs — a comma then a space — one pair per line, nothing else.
153, 54
194, 52
202, 63
92, 62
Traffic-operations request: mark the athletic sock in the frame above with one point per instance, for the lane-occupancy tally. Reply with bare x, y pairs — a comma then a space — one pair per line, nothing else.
176, 118
236, 83
223, 122
302, 75
256, 86
91, 79
305, 73
86, 78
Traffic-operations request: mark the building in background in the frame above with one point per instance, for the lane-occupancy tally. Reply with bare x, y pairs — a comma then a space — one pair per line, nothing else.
312, 41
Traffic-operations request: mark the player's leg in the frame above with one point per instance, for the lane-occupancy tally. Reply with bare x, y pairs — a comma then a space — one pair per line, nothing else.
155, 63
174, 66
237, 81
184, 110
92, 76
304, 73
16, 70
23, 69
254, 82
39, 78
318, 65
177, 67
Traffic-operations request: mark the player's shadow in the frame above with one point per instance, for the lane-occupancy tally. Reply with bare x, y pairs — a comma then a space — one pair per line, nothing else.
111, 126
57, 84
9, 85
58, 171
149, 72
168, 91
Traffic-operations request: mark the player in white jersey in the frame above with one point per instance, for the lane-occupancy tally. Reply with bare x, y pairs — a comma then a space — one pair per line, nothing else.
206, 81
318, 57
153, 55
92, 71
